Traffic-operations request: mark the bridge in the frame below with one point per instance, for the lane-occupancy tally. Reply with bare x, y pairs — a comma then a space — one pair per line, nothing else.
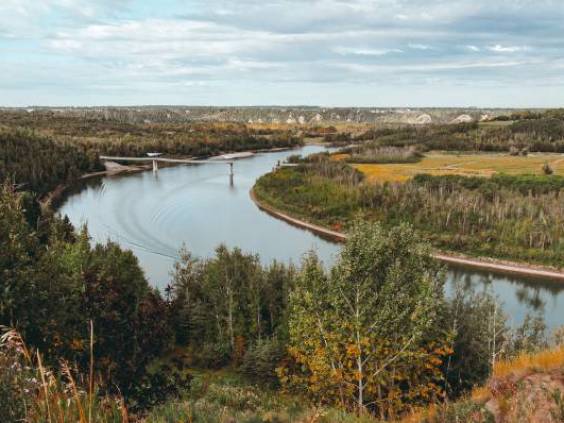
156, 159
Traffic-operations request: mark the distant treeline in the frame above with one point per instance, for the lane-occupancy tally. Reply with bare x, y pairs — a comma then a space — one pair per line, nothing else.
542, 132
51, 149
39, 163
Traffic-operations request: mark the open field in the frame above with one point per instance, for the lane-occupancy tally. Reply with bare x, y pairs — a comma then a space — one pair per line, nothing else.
437, 163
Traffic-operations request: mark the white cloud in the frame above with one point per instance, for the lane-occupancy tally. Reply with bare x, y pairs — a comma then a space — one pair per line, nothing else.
498, 48
366, 51
205, 43
430, 67
416, 46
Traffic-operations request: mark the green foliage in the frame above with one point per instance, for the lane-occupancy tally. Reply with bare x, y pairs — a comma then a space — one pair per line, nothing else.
262, 359
476, 321
18, 246
510, 217
522, 184
225, 304
51, 290
530, 337
54, 149
40, 163
362, 334
371, 153
225, 399
532, 132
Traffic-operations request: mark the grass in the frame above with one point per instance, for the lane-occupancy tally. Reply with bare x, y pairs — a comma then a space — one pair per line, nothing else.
34, 393
525, 388
485, 165
524, 363
226, 397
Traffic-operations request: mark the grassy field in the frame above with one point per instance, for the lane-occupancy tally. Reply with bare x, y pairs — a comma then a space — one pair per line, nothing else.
437, 163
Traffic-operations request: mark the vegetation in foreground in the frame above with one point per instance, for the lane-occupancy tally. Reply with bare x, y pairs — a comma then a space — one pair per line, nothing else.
509, 217
232, 340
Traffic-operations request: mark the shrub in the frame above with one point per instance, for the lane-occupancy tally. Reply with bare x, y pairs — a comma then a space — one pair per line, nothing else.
376, 154
547, 170
261, 360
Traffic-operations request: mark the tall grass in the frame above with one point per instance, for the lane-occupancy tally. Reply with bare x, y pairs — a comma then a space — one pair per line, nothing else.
524, 363
31, 392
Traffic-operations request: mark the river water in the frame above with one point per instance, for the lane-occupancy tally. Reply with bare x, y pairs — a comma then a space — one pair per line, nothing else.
196, 206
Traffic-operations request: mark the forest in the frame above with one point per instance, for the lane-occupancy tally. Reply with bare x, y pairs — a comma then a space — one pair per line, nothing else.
371, 339
540, 132
43, 149
508, 217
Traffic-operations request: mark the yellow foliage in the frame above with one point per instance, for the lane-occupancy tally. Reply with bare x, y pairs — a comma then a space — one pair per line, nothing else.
481, 394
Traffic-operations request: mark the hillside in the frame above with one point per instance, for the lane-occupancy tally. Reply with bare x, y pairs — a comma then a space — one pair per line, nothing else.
527, 389
299, 115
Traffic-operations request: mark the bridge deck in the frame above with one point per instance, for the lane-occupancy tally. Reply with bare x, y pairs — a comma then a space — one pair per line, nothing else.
165, 160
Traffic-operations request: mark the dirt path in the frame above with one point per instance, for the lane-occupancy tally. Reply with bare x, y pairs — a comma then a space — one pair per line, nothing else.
484, 264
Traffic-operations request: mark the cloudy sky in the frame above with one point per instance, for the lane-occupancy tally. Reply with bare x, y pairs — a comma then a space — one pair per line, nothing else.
261, 52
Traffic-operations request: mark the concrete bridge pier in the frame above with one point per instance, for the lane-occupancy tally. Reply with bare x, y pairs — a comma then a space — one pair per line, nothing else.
231, 174
155, 166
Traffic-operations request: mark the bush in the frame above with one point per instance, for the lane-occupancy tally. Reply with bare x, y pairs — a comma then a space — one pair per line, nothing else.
211, 356
260, 361
547, 169
371, 153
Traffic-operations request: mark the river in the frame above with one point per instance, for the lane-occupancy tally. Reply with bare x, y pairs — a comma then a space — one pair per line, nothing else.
195, 206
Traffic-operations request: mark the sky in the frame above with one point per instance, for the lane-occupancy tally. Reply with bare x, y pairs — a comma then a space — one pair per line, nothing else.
439, 53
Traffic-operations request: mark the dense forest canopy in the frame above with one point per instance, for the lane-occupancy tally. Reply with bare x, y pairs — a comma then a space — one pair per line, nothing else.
40, 163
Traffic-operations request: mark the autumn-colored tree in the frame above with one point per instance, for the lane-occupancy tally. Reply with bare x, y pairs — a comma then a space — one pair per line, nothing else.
366, 335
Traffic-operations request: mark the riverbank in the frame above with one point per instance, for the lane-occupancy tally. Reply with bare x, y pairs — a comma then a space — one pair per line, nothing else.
48, 200
500, 266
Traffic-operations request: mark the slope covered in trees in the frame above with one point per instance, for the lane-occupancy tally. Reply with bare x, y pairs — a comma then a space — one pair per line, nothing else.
40, 163
54, 148
541, 132
373, 337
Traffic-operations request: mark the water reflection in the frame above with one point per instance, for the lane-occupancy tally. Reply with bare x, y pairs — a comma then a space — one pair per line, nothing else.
520, 296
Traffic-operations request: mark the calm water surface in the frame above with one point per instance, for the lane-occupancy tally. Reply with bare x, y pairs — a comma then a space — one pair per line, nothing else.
154, 215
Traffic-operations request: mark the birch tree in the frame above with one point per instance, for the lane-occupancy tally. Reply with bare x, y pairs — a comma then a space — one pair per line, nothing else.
367, 332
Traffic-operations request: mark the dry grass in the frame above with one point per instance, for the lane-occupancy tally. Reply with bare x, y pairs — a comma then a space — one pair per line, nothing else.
49, 396
340, 156
462, 164
525, 363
